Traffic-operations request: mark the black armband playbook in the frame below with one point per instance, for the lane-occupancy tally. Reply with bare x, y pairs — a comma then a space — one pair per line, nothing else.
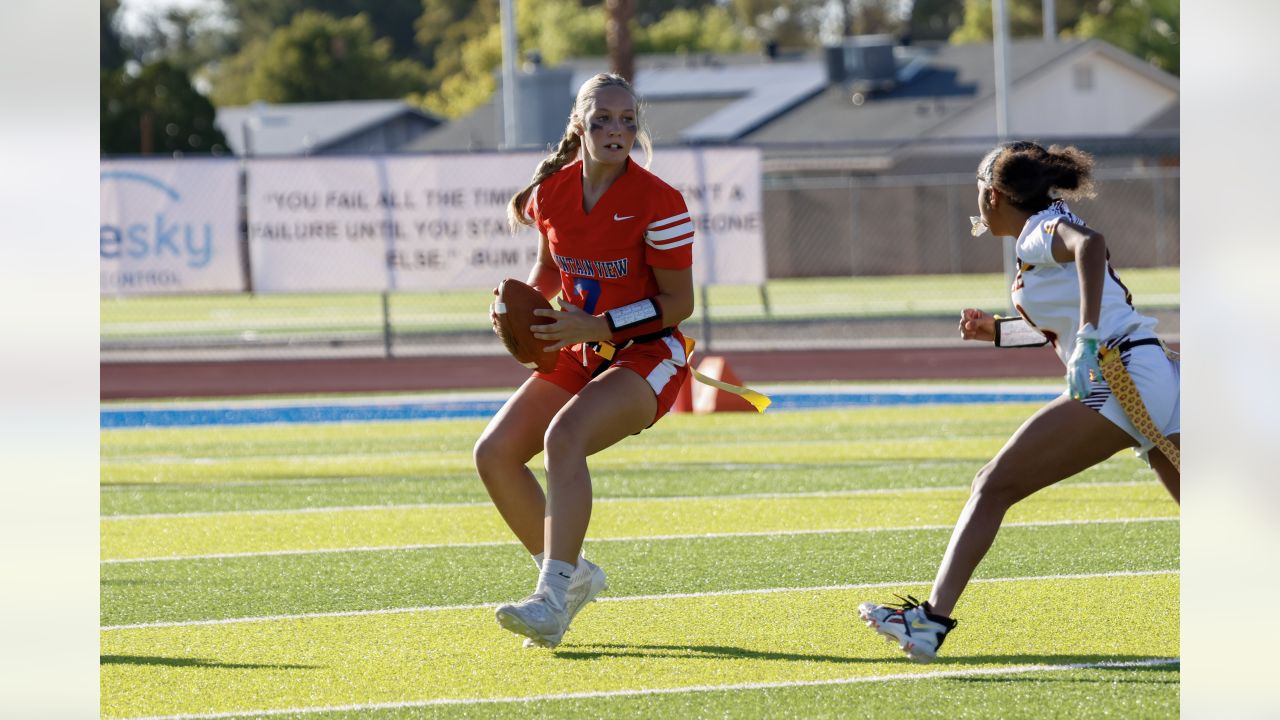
634, 320
1014, 332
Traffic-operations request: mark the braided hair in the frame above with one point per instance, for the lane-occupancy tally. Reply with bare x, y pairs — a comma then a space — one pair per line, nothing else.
1033, 177
571, 143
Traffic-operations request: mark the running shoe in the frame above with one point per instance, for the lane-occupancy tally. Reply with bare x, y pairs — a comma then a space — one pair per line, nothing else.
918, 632
583, 588
536, 618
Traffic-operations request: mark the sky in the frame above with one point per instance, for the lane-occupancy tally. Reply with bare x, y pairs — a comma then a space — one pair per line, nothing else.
134, 12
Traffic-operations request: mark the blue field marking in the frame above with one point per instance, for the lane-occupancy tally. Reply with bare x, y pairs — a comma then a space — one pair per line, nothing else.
284, 412
191, 417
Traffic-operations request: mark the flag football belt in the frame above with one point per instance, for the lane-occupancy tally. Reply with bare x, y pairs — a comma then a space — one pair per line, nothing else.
1126, 393
608, 351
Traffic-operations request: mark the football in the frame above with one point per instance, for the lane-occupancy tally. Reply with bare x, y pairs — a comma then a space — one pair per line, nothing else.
513, 316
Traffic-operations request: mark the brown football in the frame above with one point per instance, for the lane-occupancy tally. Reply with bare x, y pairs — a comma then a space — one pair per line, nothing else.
514, 308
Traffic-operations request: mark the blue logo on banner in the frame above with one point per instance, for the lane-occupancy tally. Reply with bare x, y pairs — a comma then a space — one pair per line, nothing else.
158, 238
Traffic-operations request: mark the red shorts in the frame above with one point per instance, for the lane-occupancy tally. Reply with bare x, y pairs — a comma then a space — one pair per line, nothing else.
662, 363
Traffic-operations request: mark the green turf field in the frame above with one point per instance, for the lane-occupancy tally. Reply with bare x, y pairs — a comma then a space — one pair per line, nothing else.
275, 316
350, 571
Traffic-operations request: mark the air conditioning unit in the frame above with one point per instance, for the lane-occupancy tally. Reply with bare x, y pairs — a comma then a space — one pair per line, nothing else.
863, 63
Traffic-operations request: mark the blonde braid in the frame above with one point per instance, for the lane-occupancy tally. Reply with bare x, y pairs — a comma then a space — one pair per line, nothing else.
565, 153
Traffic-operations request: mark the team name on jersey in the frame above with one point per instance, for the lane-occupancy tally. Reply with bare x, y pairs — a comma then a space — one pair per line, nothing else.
593, 268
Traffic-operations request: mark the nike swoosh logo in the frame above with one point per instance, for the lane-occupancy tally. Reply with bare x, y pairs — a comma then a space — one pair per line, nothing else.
562, 575
916, 624
616, 216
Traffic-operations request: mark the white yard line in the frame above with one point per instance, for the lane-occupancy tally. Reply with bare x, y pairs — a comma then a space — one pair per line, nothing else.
932, 675
664, 498
635, 538
321, 457
629, 598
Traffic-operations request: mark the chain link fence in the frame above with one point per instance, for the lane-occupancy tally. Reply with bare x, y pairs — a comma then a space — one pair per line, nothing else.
918, 225
851, 261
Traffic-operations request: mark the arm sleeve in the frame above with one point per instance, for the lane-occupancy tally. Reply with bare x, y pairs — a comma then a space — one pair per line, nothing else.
668, 237
1036, 247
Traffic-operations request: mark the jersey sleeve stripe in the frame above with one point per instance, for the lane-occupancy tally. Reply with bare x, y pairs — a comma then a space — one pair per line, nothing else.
657, 236
668, 221
671, 245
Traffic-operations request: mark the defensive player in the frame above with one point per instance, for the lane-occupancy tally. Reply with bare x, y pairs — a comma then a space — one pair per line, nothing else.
1067, 291
616, 244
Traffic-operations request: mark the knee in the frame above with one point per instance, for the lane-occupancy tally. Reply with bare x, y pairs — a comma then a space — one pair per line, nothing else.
562, 440
994, 486
490, 452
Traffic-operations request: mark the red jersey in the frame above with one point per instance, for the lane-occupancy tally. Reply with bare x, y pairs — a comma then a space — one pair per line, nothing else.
606, 256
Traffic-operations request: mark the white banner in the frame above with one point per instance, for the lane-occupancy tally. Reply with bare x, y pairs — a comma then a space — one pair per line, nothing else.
439, 222
721, 186
168, 227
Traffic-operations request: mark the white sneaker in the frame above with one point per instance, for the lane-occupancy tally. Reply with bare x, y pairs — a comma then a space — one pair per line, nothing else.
918, 632
535, 617
583, 589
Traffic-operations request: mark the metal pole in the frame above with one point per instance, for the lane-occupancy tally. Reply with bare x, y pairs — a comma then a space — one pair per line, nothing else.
1000, 32
509, 49
246, 259
1050, 21
386, 323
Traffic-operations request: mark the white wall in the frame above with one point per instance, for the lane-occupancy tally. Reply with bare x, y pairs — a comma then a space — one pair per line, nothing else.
1051, 102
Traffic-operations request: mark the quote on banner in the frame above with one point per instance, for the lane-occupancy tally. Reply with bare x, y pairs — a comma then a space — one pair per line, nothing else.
439, 222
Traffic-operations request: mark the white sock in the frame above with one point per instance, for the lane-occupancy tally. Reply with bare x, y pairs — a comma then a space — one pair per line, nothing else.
553, 581
584, 566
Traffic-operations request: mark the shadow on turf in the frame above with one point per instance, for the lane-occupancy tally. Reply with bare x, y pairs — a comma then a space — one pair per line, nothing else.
191, 662
591, 652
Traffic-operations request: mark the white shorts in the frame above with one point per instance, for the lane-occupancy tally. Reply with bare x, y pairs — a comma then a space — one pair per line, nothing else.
1158, 379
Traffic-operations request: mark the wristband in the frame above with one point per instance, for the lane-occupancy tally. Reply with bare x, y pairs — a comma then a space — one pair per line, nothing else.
638, 318
1012, 332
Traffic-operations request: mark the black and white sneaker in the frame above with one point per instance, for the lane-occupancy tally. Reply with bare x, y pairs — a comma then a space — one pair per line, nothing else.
918, 632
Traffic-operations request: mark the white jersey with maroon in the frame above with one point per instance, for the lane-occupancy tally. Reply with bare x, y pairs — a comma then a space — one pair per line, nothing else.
1047, 293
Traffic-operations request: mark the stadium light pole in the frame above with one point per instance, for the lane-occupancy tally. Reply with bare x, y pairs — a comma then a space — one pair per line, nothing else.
1000, 33
509, 48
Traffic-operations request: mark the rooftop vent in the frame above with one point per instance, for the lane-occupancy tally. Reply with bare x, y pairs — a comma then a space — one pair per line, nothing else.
863, 63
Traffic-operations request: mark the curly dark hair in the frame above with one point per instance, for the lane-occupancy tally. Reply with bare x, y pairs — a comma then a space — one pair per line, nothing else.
1033, 177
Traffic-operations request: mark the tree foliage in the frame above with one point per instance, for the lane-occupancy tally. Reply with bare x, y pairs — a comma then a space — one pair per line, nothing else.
392, 19
317, 50
464, 40
710, 29
111, 52
648, 12
317, 58
1145, 28
869, 17
935, 19
161, 103
788, 23
187, 38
